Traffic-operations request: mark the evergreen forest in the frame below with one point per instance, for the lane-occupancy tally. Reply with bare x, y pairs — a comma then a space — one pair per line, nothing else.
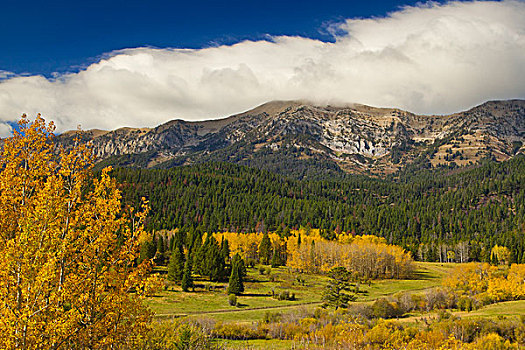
444, 215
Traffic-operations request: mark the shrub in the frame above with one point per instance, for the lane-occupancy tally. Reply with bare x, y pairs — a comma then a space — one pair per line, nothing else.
436, 299
286, 330
284, 295
360, 310
465, 304
271, 317
382, 308
237, 331
232, 300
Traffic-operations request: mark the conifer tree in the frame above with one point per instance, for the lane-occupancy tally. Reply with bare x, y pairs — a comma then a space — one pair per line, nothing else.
187, 279
199, 256
237, 260
275, 262
159, 256
147, 251
335, 293
265, 249
225, 250
215, 267
236, 283
171, 243
176, 264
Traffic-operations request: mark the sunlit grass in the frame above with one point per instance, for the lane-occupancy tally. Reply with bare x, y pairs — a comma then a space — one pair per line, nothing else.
257, 299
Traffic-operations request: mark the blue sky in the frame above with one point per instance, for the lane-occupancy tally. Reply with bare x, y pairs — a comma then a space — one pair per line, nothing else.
136, 63
41, 37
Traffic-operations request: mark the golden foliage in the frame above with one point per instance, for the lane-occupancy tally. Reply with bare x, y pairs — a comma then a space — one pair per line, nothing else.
488, 283
67, 249
368, 256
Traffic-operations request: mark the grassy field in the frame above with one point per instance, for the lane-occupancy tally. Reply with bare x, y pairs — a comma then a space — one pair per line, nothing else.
427, 275
508, 308
258, 295
210, 299
208, 304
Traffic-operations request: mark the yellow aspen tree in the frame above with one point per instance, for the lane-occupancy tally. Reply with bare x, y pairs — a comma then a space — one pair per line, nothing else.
67, 249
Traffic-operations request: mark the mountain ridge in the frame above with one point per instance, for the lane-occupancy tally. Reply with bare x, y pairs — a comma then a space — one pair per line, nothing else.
353, 138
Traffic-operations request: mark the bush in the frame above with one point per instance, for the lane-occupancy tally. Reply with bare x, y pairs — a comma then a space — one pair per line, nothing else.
232, 300
235, 331
284, 295
361, 310
465, 304
406, 302
270, 317
382, 308
436, 299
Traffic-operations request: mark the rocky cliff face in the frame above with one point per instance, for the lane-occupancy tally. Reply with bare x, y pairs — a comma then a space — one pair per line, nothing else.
355, 138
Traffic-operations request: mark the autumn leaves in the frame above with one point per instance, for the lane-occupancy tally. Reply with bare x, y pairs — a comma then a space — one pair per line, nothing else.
67, 275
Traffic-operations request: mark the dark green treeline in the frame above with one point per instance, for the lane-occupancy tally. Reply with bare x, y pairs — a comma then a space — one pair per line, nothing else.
467, 211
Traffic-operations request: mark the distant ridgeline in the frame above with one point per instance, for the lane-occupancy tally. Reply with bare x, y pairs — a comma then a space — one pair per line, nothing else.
437, 215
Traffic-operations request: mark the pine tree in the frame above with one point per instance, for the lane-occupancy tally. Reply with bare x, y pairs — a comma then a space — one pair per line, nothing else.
225, 250
199, 255
237, 260
171, 243
339, 283
147, 251
176, 265
215, 267
265, 249
236, 283
187, 279
159, 256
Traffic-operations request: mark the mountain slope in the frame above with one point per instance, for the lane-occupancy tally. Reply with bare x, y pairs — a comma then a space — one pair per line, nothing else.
303, 139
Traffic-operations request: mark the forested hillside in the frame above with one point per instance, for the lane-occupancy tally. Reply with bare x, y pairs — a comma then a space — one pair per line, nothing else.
438, 215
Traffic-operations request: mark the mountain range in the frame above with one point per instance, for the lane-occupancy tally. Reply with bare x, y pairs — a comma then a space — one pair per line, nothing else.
303, 139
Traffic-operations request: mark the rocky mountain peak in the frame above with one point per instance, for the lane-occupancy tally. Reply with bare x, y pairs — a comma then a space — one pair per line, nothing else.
350, 138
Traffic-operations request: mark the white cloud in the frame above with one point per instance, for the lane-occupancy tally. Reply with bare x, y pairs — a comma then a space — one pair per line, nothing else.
5, 74
427, 59
5, 130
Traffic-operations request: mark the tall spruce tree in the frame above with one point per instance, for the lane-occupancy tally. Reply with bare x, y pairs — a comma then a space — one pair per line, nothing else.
236, 283
225, 250
161, 249
237, 260
265, 249
199, 256
147, 251
339, 284
275, 262
187, 279
215, 266
176, 264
